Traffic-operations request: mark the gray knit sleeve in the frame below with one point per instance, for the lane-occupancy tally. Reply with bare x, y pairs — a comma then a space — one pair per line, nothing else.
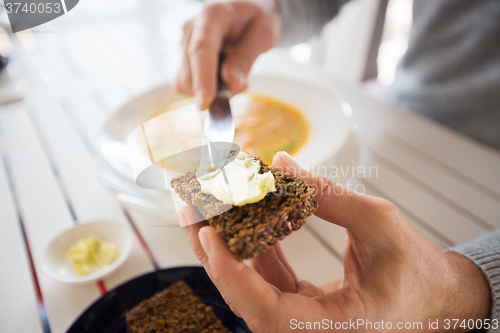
301, 19
485, 253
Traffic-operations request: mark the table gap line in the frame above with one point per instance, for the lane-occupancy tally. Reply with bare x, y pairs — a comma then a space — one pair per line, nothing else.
322, 242
50, 157
102, 286
68, 110
42, 312
140, 238
45, 43
432, 192
46, 150
129, 218
464, 178
414, 220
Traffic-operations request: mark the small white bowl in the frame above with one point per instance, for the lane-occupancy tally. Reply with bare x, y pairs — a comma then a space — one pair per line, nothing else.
56, 265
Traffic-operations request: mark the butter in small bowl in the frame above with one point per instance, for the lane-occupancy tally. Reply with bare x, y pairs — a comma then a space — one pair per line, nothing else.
88, 251
90, 254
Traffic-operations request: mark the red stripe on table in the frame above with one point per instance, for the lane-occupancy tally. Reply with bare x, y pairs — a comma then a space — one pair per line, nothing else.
143, 243
32, 265
38, 292
102, 287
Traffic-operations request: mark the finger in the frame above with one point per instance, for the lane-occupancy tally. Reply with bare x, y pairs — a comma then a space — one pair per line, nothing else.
183, 82
330, 287
281, 256
191, 222
270, 267
259, 35
357, 212
240, 58
307, 289
187, 215
239, 284
208, 34
256, 40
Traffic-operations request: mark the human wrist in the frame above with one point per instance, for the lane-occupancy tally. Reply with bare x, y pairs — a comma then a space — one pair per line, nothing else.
467, 295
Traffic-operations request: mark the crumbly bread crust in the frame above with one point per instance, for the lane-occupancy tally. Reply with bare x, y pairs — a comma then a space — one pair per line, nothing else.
251, 229
173, 310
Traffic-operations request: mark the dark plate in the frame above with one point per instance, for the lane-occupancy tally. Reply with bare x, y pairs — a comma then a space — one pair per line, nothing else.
107, 315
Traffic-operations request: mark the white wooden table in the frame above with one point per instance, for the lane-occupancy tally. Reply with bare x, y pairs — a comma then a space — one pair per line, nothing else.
77, 69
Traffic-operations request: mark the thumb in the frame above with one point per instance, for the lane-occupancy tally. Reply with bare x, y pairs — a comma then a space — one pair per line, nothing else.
337, 204
242, 287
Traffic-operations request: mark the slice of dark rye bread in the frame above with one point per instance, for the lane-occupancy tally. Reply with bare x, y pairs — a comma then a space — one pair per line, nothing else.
173, 310
251, 229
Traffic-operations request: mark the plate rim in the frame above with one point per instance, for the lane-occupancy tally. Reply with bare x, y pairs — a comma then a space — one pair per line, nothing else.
75, 325
169, 84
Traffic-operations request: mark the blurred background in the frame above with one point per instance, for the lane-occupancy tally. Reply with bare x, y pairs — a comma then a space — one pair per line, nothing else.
362, 45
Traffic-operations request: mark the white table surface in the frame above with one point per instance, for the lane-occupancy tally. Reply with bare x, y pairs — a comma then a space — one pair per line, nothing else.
75, 70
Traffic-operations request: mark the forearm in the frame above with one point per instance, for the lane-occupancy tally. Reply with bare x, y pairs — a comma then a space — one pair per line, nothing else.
301, 19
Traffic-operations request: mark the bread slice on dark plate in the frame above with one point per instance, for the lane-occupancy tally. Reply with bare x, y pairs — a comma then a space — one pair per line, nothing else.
173, 310
251, 229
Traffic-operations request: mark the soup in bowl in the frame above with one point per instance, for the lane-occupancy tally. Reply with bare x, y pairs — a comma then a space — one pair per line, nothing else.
276, 113
263, 126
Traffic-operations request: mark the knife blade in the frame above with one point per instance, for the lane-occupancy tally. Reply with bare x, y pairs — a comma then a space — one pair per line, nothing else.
219, 123
219, 127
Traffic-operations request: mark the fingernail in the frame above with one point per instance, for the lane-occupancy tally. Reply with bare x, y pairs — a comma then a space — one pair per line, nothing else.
205, 243
238, 75
198, 99
289, 161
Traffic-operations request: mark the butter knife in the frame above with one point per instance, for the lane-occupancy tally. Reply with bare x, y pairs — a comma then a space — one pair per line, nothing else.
218, 132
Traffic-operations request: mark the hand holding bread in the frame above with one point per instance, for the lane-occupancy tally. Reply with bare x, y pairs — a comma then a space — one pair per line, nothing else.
392, 272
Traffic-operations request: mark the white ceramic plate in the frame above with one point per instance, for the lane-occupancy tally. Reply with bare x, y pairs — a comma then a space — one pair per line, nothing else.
332, 141
57, 266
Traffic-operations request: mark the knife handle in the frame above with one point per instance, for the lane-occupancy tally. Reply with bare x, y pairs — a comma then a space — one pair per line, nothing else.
221, 85
220, 108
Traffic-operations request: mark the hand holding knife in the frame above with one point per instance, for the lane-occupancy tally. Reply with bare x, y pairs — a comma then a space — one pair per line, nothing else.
218, 132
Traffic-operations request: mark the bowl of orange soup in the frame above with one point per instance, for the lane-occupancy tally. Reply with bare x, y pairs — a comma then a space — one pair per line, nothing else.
275, 114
